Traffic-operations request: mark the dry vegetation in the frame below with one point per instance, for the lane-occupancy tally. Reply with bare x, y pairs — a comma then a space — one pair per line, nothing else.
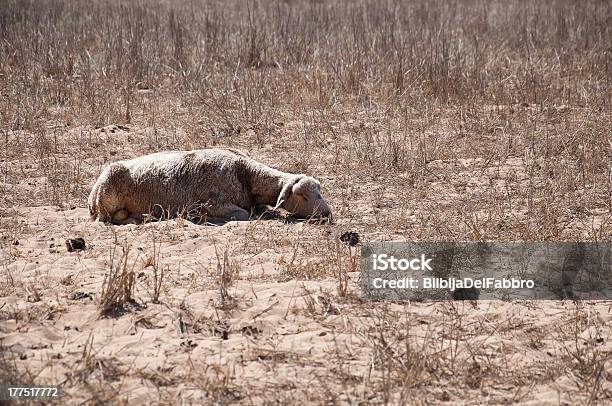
424, 120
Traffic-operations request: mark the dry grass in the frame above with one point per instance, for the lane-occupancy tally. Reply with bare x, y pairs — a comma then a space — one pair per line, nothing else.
424, 120
360, 91
118, 287
159, 272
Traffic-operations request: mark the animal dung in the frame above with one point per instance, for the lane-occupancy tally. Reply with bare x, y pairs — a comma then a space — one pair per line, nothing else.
350, 237
75, 244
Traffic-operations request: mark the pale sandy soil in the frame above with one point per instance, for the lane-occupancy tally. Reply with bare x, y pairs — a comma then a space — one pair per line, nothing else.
287, 331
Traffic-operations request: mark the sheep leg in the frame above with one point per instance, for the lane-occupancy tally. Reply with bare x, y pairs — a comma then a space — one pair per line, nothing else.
229, 211
122, 217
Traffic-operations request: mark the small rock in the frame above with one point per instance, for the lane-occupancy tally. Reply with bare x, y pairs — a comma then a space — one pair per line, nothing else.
79, 296
188, 344
350, 237
75, 244
16, 242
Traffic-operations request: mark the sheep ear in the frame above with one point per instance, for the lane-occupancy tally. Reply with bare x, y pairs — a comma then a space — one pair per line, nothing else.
286, 192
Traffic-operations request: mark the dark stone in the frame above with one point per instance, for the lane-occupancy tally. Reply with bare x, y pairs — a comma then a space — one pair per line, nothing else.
79, 296
75, 244
350, 237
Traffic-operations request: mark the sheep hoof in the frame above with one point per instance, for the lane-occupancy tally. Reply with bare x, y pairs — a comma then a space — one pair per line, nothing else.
240, 215
120, 216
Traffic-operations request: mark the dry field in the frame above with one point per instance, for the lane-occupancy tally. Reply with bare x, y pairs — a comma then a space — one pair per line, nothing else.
424, 120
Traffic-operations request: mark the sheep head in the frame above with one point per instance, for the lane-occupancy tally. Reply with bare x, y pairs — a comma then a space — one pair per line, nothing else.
301, 195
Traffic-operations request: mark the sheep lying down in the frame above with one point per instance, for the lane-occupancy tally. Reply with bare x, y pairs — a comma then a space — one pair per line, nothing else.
212, 184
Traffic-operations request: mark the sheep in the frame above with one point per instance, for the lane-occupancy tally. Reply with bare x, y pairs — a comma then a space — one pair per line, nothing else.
216, 184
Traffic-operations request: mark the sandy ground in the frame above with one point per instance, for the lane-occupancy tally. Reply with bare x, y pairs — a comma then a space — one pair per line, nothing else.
278, 336
287, 330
